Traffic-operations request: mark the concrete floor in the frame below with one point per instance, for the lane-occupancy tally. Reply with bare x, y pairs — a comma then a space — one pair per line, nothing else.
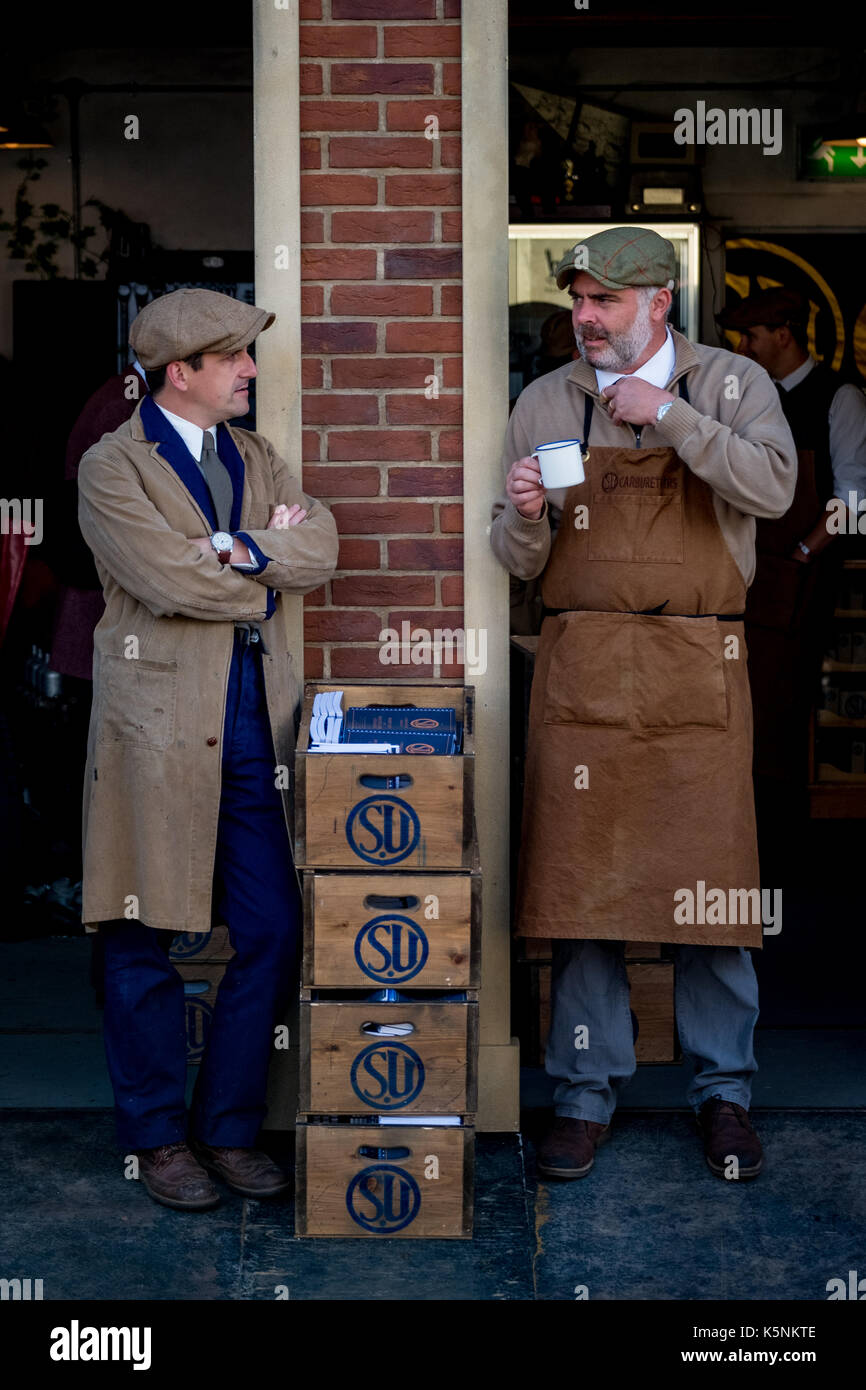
650, 1221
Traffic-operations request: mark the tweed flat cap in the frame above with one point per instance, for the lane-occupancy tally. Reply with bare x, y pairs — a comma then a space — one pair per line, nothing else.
176, 325
619, 257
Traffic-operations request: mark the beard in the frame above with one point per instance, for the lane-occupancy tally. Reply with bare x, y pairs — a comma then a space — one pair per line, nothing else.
620, 349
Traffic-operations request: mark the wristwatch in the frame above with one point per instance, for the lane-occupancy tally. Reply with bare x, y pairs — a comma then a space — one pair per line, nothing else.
805, 549
223, 544
662, 411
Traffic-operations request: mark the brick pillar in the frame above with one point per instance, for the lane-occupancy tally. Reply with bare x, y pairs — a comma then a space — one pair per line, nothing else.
381, 322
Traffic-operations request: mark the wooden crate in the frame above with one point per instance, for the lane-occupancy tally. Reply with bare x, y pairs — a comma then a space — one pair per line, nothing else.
201, 981
652, 1003
345, 1067
372, 1181
365, 930
209, 946
386, 811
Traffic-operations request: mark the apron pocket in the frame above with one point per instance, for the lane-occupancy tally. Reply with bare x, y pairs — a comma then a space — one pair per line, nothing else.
589, 677
625, 526
679, 678
137, 701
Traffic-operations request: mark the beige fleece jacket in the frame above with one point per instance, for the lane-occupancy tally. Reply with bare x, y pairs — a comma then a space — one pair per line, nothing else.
732, 434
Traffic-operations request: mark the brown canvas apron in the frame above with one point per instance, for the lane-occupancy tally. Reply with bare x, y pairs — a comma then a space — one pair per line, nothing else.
642, 697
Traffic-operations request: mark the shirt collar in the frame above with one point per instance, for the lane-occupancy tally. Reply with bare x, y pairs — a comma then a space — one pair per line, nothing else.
658, 370
192, 435
799, 374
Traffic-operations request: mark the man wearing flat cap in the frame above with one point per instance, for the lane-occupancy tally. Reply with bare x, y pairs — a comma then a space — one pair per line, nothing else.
638, 809
791, 601
198, 529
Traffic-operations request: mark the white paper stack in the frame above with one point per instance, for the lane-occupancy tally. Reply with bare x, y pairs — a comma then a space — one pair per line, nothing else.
326, 724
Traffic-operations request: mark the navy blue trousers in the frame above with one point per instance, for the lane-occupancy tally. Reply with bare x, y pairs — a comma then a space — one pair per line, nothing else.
256, 896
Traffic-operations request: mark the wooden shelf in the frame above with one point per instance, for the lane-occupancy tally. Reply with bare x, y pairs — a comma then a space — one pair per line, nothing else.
830, 664
828, 720
828, 775
851, 612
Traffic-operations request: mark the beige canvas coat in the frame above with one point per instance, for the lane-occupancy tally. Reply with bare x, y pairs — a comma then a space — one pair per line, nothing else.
162, 653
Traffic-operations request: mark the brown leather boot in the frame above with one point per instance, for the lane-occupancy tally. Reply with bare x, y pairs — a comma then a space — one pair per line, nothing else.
246, 1171
727, 1133
172, 1177
568, 1149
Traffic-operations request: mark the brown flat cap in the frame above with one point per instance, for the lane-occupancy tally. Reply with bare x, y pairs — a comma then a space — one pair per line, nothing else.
621, 256
772, 308
176, 325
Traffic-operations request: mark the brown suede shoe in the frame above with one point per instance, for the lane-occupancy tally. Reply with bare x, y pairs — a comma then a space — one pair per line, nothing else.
727, 1133
246, 1171
172, 1177
568, 1149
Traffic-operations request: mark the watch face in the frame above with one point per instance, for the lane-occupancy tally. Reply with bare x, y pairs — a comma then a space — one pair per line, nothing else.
221, 540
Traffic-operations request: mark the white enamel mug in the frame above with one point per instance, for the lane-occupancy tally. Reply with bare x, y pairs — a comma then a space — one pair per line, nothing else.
561, 463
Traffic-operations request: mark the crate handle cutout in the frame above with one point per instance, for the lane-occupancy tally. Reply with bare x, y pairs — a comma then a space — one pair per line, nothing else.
195, 986
390, 902
387, 1030
368, 1151
382, 783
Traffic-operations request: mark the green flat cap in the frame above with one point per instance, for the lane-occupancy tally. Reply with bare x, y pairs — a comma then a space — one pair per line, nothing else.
619, 257
176, 325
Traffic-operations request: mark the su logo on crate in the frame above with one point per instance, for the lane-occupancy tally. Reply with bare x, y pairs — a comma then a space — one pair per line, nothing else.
190, 943
391, 948
199, 1014
387, 1075
383, 1199
383, 829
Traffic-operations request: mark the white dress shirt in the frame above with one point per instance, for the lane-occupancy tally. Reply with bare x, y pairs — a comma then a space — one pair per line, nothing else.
657, 371
847, 418
193, 437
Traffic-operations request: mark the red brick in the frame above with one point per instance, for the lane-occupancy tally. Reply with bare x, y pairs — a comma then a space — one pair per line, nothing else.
382, 518
328, 481
367, 661
412, 115
451, 79
311, 153
345, 446
418, 410
316, 597
328, 264
312, 299
425, 555
452, 226
326, 190
422, 263
396, 152
449, 152
311, 446
314, 663
451, 446
377, 373
425, 482
338, 337
310, 9
311, 372
452, 590
413, 190
358, 555
311, 80
329, 409
341, 626
452, 371
385, 78
339, 41
452, 9
451, 518
384, 227
384, 590
454, 671
422, 41
423, 337
452, 299
423, 617
313, 227
339, 115
382, 299
383, 9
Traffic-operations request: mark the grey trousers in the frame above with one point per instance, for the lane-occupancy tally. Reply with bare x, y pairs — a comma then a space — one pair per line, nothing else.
591, 1051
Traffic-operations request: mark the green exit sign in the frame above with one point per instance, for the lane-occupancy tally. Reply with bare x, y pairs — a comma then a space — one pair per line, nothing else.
834, 159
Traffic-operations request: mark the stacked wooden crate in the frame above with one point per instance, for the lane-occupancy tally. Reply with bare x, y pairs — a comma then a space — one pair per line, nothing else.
386, 847
200, 959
